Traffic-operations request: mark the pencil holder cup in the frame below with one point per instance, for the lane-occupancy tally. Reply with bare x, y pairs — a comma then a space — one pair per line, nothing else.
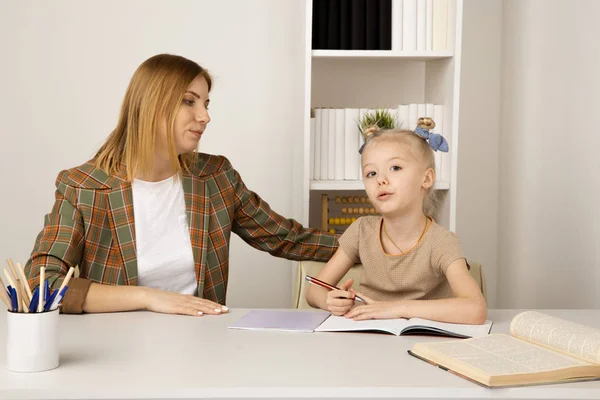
32, 341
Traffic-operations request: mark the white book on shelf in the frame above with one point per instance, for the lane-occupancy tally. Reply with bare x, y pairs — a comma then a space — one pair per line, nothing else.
402, 120
340, 120
440, 24
409, 25
413, 116
351, 144
362, 112
438, 117
444, 166
394, 114
317, 149
429, 26
311, 162
397, 25
331, 146
421, 24
324, 142
430, 112
421, 111
446, 160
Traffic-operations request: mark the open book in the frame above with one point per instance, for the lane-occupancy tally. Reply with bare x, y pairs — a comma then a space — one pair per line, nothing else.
540, 349
322, 321
401, 326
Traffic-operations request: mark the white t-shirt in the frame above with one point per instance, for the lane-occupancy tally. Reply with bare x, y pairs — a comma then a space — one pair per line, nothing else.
164, 251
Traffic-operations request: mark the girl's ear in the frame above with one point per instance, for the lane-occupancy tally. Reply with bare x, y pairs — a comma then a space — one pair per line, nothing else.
428, 179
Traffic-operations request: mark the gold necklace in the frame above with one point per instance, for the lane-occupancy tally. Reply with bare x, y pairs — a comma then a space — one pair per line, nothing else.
394, 243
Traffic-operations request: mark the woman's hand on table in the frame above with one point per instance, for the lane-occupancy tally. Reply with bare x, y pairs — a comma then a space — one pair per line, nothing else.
175, 303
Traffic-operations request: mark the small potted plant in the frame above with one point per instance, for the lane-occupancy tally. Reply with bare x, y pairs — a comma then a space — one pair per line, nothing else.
378, 119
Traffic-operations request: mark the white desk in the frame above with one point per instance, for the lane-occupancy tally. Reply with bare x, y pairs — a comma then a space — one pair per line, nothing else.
142, 355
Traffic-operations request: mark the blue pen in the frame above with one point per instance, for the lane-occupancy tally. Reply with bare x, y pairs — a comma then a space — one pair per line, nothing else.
13, 298
50, 301
34, 300
10, 297
58, 298
46, 291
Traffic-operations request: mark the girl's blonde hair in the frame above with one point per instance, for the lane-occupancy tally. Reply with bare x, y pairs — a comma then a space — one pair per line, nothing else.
419, 149
151, 102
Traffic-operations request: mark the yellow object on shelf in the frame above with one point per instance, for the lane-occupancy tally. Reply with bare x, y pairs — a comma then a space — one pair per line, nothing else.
335, 218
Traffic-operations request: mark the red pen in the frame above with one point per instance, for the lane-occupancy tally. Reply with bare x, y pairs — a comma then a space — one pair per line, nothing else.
326, 285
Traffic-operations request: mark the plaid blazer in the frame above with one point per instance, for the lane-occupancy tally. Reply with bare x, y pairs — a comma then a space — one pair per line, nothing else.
92, 225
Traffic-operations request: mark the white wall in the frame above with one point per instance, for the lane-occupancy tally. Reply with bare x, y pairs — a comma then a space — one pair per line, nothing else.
479, 121
66, 65
549, 165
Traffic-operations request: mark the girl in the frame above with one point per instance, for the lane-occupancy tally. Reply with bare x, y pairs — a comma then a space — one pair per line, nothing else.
413, 267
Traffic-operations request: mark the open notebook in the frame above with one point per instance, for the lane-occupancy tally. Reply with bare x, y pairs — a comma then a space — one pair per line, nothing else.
322, 321
401, 326
281, 320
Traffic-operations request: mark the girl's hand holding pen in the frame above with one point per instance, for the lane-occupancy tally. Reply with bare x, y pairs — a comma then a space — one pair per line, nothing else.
340, 301
175, 303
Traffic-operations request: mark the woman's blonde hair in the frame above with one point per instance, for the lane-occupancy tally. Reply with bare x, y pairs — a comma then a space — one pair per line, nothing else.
419, 149
151, 102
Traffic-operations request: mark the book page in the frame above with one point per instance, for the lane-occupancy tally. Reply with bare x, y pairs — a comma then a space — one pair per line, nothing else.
499, 354
473, 331
342, 324
568, 337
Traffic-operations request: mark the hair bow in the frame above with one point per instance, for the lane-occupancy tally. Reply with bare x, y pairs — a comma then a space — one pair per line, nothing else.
436, 141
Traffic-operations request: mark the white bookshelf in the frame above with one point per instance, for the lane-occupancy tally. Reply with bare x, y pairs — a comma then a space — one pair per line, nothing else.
383, 78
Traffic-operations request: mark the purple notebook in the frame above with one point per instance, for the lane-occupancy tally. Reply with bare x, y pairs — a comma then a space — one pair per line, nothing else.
296, 321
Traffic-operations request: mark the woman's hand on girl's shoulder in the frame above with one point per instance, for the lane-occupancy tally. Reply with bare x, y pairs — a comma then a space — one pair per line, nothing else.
175, 303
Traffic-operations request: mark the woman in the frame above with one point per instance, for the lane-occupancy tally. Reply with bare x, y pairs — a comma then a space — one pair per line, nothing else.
149, 219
